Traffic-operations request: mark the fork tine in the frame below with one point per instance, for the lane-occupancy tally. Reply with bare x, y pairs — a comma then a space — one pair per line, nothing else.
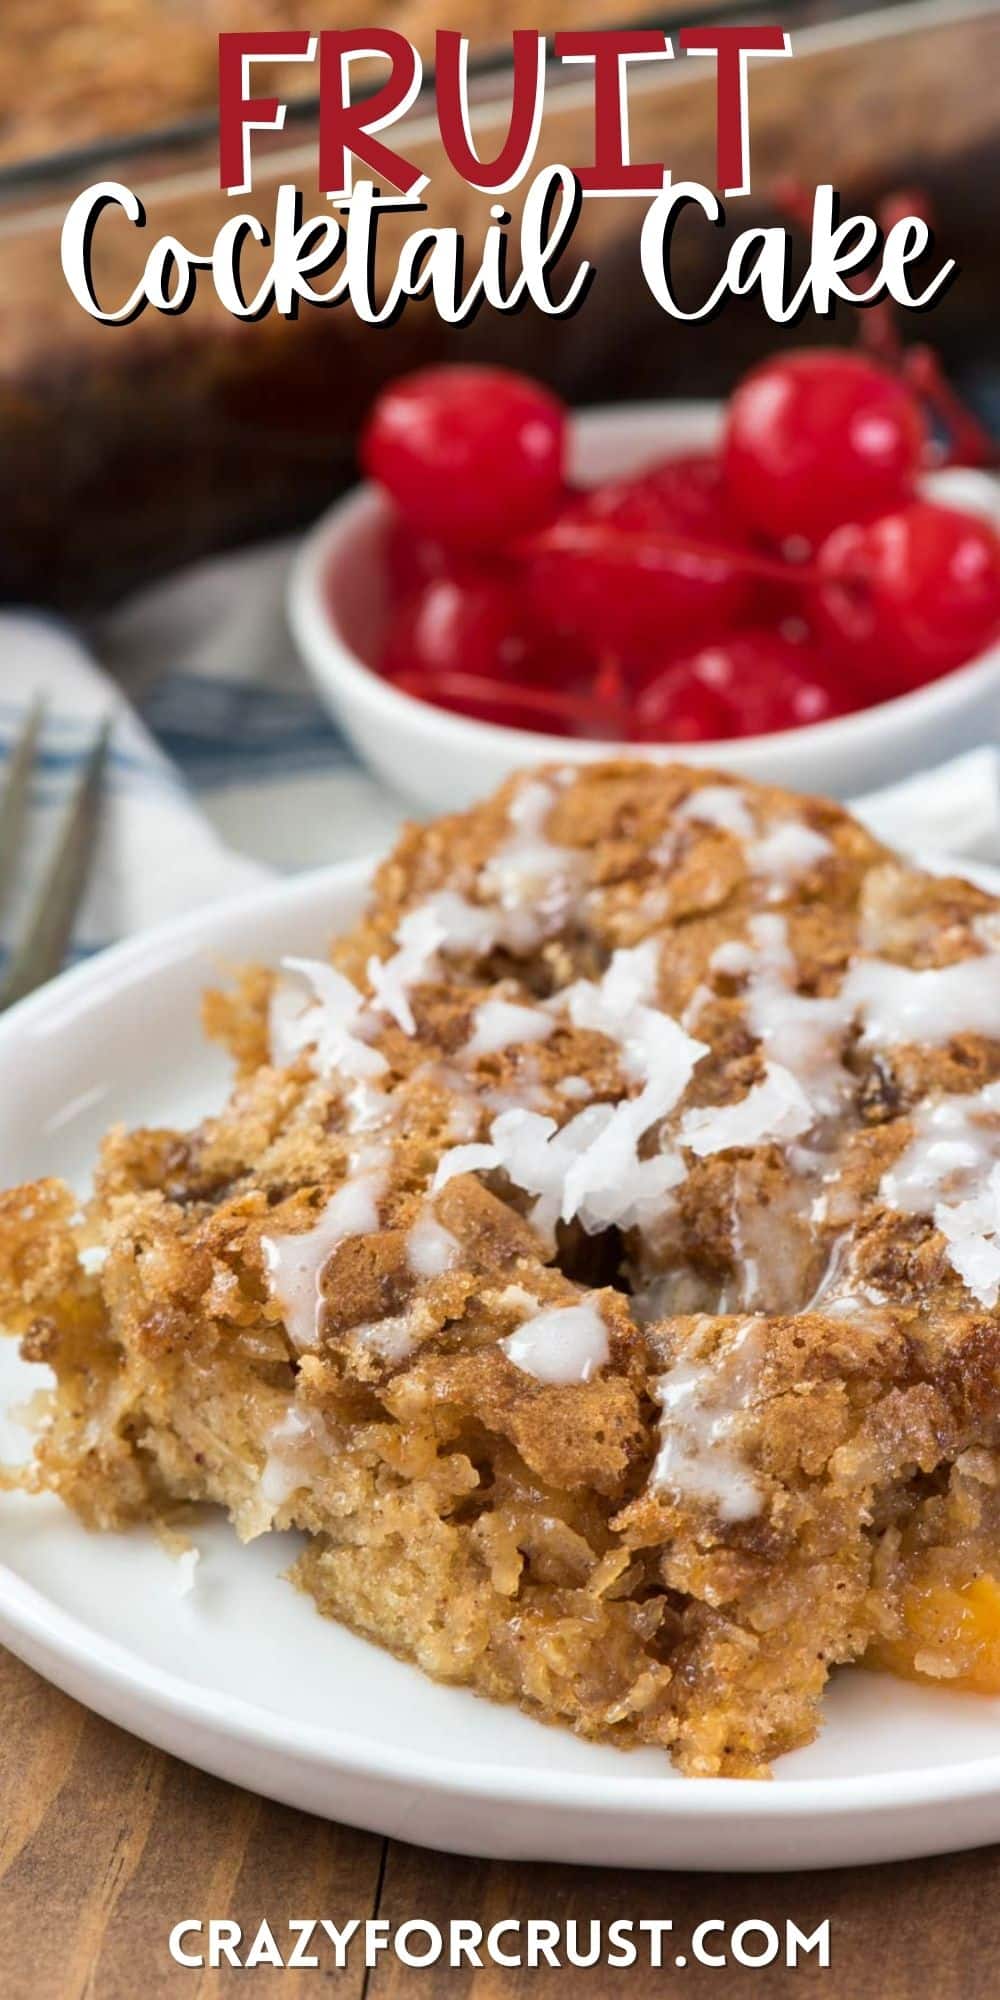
43, 947
15, 795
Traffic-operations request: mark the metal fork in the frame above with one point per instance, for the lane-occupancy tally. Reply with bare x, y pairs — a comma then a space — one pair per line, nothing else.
42, 946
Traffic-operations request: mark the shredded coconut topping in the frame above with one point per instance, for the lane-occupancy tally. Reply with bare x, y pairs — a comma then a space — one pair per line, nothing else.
591, 1168
334, 1024
418, 936
471, 1159
498, 1023
560, 1344
445, 922
775, 1108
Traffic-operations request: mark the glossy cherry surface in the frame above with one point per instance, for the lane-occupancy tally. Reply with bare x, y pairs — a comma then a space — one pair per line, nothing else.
909, 596
616, 573
473, 456
750, 683
817, 438
788, 578
461, 622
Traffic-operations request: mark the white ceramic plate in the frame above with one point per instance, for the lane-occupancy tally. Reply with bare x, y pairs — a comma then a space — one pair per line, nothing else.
243, 1678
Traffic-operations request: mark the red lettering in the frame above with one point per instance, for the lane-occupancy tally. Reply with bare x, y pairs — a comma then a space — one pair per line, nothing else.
347, 129
239, 115
527, 92
611, 52
732, 48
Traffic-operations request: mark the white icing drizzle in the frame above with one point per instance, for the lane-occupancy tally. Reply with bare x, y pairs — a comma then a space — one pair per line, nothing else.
774, 1245
890, 1004
498, 1023
463, 1117
775, 1108
334, 1023
806, 1033
531, 879
295, 1264
787, 852
859, 1308
724, 806
463, 1111
702, 1400
951, 1172
560, 1344
431, 1249
896, 1005
781, 854
283, 1471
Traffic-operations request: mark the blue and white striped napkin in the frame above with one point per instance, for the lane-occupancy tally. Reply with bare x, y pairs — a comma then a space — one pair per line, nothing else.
225, 766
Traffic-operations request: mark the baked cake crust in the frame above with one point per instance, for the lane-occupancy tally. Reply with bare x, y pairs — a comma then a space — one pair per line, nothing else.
597, 1259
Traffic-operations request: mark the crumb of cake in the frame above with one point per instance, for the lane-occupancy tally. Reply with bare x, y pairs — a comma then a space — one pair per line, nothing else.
597, 1260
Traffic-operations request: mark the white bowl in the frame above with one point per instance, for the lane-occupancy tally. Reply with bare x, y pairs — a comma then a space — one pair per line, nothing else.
442, 760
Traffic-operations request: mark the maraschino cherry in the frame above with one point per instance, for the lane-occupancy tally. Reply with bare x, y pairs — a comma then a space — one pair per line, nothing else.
672, 606
615, 572
909, 596
471, 455
462, 622
816, 438
749, 683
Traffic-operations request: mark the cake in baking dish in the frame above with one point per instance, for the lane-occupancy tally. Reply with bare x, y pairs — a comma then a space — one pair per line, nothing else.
82, 72
597, 1259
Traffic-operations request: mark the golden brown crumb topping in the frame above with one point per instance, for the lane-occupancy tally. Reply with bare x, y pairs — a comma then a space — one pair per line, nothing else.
598, 1257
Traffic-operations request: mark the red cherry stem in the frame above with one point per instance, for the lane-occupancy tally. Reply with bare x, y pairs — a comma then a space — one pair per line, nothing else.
460, 687
565, 538
969, 443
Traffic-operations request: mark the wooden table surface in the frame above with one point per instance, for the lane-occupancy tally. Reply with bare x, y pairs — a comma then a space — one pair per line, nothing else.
105, 1843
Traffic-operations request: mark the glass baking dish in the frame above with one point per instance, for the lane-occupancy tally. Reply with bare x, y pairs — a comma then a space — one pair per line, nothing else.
129, 450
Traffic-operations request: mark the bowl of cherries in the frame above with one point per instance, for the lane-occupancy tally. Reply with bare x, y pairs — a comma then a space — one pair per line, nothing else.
798, 585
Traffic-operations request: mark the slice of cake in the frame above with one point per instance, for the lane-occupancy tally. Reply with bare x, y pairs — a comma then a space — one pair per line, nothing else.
597, 1259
